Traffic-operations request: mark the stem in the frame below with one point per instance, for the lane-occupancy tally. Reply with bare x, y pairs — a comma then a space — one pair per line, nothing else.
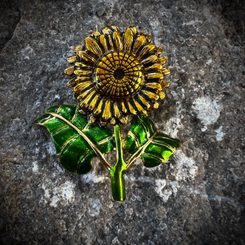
117, 171
118, 143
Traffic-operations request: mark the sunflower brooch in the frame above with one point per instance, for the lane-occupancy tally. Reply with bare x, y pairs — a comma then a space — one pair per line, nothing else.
117, 77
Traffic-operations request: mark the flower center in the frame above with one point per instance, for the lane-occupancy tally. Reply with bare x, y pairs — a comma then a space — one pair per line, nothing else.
118, 75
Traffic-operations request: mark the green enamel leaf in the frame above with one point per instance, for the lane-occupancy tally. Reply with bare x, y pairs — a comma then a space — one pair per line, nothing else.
76, 140
145, 142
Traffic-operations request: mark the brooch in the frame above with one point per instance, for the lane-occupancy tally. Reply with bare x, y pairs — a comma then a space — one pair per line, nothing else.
117, 77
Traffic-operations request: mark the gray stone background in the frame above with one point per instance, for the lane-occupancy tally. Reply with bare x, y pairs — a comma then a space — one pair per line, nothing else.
197, 199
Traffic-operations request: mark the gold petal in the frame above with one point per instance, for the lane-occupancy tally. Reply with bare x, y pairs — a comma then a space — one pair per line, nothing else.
92, 119
106, 30
134, 29
81, 65
95, 34
117, 112
124, 120
109, 37
82, 72
86, 57
163, 60
159, 50
82, 111
151, 95
124, 109
149, 38
139, 107
69, 71
93, 102
144, 101
103, 42
74, 82
83, 79
139, 42
71, 83
92, 45
131, 109
117, 40
113, 121
84, 93
147, 49
155, 75
128, 39
155, 66
156, 105
99, 107
77, 48
107, 110
81, 86
88, 98
162, 95
115, 28
151, 58
71, 59
157, 86
166, 71
103, 70
165, 83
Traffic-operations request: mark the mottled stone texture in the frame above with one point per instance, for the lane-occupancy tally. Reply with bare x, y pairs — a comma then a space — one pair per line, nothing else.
196, 199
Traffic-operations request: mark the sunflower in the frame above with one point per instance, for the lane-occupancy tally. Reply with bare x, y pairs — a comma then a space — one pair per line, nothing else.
117, 74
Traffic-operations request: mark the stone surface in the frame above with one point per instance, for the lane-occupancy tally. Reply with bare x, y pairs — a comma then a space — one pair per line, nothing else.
197, 199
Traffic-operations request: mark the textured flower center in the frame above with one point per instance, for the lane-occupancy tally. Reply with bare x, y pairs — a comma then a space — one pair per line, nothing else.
118, 75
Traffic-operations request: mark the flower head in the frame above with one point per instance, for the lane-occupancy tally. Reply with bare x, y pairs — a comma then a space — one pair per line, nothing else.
117, 74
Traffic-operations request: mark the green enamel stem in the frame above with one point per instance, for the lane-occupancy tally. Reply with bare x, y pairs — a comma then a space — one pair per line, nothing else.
119, 149
117, 171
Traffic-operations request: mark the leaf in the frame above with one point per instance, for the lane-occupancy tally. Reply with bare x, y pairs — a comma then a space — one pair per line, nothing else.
145, 142
76, 140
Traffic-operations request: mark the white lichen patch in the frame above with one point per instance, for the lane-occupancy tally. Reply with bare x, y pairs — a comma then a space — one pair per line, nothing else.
57, 96
93, 178
35, 167
219, 134
209, 61
192, 22
94, 207
160, 189
207, 110
141, 179
185, 170
173, 125
63, 194
51, 149
156, 34
166, 188
27, 52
